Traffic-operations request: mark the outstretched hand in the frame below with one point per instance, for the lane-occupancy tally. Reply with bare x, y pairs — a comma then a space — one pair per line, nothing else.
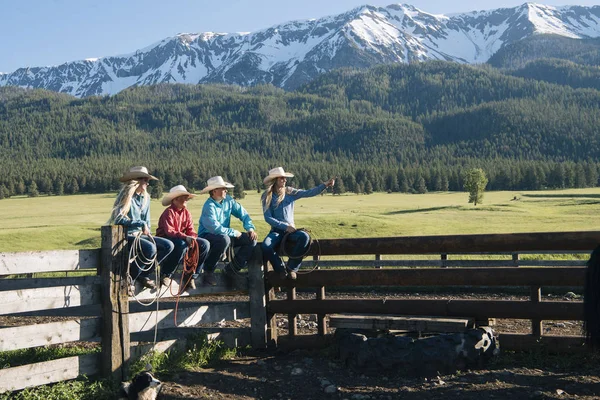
330, 182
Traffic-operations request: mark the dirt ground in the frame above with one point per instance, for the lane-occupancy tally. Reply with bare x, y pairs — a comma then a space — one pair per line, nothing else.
302, 374
306, 375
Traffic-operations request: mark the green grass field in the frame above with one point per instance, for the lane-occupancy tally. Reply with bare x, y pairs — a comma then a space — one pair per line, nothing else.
73, 222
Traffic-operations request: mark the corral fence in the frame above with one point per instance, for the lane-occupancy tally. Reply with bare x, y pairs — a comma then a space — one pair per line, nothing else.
89, 303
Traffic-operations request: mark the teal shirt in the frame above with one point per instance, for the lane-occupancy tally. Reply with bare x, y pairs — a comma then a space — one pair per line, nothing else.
216, 217
137, 217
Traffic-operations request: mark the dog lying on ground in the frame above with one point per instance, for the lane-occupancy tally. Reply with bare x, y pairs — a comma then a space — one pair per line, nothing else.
143, 386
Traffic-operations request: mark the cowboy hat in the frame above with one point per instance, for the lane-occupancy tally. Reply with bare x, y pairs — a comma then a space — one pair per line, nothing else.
215, 182
136, 173
276, 173
174, 193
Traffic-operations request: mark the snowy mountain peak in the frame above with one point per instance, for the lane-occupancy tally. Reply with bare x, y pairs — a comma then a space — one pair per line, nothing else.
292, 53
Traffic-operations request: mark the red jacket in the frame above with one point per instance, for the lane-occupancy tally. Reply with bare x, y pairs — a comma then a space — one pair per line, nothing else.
174, 223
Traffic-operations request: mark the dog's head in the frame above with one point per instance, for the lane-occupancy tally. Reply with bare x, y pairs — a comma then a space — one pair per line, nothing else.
143, 386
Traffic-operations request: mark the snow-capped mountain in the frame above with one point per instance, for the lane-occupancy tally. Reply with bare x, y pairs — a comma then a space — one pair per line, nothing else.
295, 52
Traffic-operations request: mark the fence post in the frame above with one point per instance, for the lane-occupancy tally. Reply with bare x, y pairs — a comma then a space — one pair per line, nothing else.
444, 258
515, 258
258, 304
321, 318
115, 304
536, 324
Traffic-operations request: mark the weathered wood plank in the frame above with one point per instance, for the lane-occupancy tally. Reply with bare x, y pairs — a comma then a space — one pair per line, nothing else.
188, 316
48, 261
508, 242
546, 310
521, 276
115, 304
258, 300
18, 301
224, 286
37, 283
412, 324
443, 263
43, 373
24, 337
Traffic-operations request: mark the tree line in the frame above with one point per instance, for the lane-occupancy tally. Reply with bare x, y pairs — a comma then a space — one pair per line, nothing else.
397, 128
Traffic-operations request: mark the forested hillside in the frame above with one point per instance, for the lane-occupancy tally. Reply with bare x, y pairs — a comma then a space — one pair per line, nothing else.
395, 127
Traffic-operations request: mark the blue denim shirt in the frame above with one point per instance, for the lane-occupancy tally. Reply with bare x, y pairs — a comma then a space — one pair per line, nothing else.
138, 215
282, 215
216, 217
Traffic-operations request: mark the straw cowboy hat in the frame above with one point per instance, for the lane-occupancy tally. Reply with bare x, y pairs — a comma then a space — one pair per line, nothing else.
216, 182
276, 173
174, 193
137, 173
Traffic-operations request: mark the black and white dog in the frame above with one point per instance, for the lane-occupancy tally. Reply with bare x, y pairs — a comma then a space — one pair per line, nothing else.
143, 386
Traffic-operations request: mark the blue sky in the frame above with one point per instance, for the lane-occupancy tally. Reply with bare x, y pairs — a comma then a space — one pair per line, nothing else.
50, 32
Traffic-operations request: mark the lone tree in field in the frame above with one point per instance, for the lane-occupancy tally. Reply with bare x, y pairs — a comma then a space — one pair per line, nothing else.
475, 183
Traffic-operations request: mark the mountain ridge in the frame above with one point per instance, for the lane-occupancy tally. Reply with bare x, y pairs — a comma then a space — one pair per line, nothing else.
293, 53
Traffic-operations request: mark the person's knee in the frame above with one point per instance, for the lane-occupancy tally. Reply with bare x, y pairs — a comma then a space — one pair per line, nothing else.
220, 242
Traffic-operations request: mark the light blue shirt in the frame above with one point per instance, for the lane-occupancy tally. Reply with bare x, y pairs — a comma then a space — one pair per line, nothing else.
281, 216
138, 215
216, 217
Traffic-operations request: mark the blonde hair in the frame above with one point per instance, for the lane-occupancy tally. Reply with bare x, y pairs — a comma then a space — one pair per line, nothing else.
122, 203
268, 195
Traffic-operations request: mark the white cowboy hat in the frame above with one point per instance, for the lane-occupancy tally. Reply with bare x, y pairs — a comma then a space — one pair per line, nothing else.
136, 173
174, 193
276, 173
215, 182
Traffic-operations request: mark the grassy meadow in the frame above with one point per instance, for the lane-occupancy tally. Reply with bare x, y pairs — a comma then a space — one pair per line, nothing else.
73, 222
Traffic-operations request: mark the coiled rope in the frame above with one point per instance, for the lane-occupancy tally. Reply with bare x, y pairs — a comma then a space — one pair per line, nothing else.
136, 254
190, 262
312, 239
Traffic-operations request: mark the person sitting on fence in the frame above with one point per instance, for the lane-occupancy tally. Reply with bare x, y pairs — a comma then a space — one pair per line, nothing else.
132, 210
215, 227
176, 224
278, 208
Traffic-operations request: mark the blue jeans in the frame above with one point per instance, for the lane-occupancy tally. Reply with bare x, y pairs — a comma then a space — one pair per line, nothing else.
269, 247
162, 249
220, 243
180, 249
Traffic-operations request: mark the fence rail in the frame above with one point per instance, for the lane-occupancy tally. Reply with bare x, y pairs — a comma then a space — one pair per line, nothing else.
515, 272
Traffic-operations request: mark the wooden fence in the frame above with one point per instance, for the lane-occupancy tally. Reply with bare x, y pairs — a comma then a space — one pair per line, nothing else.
96, 307
512, 271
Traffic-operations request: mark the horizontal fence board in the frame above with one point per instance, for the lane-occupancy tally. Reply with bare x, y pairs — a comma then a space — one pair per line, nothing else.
546, 310
24, 337
43, 373
224, 286
550, 343
36, 283
188, 316
444, 263
389, 322
48, 261
94, 310
19, 301
494, 243
527, 276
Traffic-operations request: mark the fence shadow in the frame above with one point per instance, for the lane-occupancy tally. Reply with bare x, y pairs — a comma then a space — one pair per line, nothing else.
418, 210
